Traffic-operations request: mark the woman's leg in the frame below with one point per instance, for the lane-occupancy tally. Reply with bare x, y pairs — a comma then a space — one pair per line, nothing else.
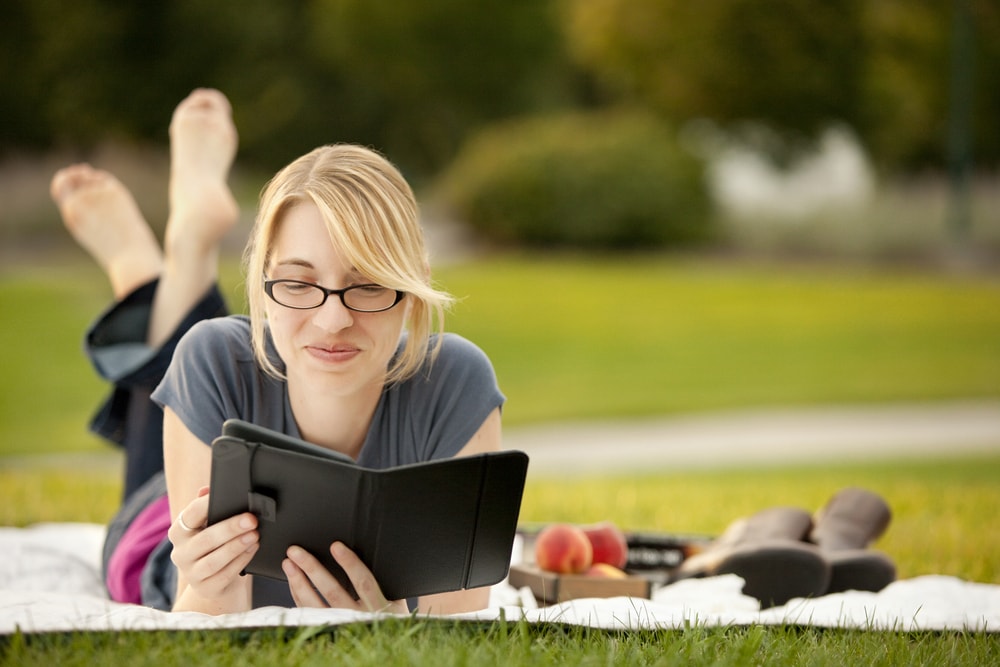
103, 217
159, 295
105, 220
203, 144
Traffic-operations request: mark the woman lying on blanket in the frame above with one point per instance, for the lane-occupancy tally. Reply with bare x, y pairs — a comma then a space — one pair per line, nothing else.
339, 349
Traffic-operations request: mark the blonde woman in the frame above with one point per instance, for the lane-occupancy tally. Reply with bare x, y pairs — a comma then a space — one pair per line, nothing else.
344, 347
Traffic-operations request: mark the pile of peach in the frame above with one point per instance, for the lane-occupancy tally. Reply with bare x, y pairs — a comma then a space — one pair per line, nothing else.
598, 550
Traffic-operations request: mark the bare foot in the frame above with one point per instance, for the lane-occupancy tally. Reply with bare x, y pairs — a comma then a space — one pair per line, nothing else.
203, 142
103, 217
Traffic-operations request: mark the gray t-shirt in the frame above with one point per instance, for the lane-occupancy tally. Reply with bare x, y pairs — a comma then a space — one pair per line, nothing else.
213, 377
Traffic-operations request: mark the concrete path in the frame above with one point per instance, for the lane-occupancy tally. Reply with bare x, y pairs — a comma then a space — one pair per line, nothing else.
761, 437
716, 440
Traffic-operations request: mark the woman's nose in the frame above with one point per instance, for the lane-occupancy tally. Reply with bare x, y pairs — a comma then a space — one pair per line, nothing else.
333, 315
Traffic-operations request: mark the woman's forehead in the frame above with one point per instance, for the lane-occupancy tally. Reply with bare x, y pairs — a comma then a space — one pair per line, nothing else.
302, 239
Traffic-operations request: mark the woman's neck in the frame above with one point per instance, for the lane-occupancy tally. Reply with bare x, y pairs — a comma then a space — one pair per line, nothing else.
338, 422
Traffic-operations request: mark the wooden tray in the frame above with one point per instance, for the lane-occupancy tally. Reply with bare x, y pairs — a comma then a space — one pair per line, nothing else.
551, 588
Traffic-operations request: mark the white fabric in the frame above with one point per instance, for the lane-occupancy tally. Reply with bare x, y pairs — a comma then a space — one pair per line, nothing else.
50, 582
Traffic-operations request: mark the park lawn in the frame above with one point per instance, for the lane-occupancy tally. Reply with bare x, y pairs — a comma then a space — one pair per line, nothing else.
584, 338
576, 337
443, 643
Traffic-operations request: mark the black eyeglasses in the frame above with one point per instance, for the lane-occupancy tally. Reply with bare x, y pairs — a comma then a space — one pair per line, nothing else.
303, 296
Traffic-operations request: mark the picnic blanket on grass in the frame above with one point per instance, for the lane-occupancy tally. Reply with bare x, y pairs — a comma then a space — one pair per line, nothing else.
50, 582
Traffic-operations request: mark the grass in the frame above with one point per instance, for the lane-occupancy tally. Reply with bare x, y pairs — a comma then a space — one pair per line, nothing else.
577, 338
585, 338
582, 338
443, 643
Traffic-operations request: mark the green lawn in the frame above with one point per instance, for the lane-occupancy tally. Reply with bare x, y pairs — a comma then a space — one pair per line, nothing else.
583, 338
409, 642
586, 338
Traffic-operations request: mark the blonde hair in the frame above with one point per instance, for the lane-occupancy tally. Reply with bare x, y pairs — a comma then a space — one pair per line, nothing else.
372, 217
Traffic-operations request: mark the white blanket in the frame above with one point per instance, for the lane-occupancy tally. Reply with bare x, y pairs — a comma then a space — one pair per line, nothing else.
50, 582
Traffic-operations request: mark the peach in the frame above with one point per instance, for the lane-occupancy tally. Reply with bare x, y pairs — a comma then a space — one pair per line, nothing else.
563, 548
608, 543
606, 571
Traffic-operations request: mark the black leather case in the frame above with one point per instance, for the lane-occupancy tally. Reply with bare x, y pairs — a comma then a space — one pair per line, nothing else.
423, 528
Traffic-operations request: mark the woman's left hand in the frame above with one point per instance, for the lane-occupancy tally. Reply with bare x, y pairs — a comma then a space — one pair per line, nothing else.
312, 585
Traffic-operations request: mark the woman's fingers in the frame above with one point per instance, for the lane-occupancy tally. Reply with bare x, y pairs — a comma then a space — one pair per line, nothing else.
370, 596
212, 557
218, 548
312, 585
191, 520
300, 585
211, 578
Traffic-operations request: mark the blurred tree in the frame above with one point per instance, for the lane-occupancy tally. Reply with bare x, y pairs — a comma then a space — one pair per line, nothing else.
793, 65
56, 66
409, 78
881, 66
908, 80
79, 73
258, 53
415, 79
420, 76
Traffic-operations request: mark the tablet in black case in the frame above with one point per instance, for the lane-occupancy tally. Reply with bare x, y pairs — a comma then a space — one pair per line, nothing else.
423, 528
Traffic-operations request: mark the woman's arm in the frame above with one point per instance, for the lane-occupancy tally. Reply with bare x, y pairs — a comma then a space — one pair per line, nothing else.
209, 559
486, 439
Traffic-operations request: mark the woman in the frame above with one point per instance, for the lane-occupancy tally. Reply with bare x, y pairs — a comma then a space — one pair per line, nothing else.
340, 349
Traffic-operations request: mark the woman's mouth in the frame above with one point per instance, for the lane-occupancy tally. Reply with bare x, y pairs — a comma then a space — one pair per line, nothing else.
333, 353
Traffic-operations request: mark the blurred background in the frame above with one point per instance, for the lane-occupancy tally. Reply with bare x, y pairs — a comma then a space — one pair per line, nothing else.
611, 167
848, 127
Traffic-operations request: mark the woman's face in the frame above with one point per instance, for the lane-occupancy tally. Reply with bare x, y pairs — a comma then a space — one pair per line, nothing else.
330, 348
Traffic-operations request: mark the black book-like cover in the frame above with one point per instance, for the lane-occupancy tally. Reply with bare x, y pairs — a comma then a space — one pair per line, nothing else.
423, 528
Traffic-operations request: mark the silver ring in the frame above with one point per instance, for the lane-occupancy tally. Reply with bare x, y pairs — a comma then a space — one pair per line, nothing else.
184, 526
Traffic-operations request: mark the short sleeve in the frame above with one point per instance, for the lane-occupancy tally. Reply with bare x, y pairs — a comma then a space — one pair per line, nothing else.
206, 382
434, 414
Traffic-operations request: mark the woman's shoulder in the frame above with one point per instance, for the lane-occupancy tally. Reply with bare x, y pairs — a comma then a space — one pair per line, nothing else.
216, 329
455, 350
458, 364
230, 334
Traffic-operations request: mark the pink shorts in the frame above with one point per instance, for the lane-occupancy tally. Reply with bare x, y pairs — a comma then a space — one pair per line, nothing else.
147, 530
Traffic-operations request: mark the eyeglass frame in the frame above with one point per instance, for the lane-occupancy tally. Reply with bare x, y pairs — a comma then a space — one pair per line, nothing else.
327, 293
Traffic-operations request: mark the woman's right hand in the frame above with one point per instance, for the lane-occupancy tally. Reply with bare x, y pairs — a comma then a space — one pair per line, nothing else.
209, 559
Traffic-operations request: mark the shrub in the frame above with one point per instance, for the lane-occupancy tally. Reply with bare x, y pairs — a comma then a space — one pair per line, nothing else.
599, 180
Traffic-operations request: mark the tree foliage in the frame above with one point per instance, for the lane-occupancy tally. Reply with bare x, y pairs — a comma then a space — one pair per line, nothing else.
409, 78
423, 75
789, 63
884, 67
415, 79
